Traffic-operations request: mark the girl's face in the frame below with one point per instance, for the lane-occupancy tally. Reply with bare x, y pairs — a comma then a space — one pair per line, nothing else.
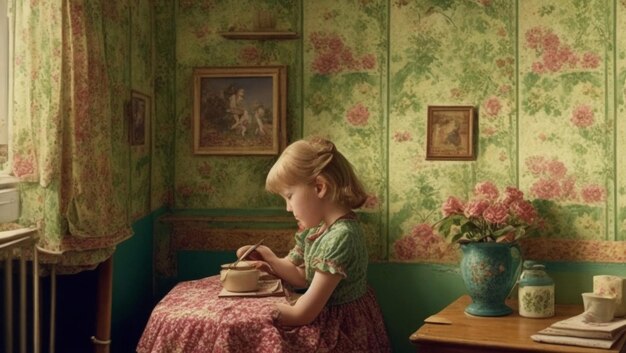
305, 202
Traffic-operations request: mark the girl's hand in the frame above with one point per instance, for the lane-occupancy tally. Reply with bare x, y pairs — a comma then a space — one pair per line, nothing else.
254, 255
263, 266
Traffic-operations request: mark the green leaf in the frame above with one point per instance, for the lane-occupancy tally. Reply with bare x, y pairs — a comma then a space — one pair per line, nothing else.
503, 231
519, 233
447, 223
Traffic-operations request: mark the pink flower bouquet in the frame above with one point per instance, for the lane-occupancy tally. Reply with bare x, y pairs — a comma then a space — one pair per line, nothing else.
488, 216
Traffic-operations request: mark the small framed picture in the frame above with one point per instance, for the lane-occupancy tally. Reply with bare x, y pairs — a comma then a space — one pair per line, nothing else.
139, 118
450, 133
239, 110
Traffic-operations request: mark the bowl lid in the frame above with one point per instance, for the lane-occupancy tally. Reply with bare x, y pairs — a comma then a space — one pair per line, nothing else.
241, 265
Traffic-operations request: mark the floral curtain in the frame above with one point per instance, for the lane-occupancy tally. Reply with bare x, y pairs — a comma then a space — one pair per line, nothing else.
62, 126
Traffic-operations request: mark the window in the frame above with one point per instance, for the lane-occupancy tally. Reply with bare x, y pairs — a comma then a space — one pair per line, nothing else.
4, 84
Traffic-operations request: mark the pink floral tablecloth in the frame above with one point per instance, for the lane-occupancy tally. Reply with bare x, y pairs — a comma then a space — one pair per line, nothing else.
192, 318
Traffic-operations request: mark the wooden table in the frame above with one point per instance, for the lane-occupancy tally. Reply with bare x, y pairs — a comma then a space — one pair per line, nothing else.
461, 332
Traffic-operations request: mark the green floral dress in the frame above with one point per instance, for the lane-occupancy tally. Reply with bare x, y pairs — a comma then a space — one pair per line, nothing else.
341, 249
352, 320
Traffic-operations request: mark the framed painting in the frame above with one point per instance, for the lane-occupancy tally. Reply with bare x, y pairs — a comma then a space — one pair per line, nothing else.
239, 110
450, 133
139, 118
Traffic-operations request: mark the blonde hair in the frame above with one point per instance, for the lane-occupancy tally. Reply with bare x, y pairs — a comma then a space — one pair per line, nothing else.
304, 160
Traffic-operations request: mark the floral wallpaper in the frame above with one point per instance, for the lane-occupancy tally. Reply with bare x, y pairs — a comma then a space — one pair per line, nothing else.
344, 70
209, 182
162, 178
449, 53
141, 75
547, 82
543, 78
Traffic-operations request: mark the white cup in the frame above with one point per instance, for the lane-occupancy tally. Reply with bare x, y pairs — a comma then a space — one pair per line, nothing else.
598, 308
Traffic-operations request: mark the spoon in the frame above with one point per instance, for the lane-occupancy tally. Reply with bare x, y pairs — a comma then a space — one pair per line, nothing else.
243, 256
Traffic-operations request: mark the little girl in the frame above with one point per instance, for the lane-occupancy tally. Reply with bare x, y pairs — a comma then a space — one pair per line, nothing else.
329, 258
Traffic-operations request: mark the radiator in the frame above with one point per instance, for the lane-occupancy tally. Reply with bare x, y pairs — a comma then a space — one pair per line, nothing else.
17, 247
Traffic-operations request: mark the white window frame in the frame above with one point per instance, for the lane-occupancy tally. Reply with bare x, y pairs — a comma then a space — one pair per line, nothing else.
6, 52
4, 69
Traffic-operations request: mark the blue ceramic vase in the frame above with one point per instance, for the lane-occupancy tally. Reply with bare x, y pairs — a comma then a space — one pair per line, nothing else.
489, 271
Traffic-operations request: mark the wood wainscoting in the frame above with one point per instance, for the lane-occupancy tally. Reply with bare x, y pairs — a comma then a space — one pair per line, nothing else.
177, 232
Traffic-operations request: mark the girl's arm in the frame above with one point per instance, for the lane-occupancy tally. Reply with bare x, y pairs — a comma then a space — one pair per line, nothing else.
311, 303
280, 267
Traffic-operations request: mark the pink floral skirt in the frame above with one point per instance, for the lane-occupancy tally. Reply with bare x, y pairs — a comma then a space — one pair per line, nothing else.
192, 318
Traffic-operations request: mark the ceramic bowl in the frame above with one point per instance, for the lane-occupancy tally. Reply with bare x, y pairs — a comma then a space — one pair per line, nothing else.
243, 277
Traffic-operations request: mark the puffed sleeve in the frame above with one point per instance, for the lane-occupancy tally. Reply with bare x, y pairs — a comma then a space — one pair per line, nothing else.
336, 252
296, 254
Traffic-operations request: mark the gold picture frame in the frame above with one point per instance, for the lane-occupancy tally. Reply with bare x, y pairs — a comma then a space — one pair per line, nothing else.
139, 112
239, 110
451, 133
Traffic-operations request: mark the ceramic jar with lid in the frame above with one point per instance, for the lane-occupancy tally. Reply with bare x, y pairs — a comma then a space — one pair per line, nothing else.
536, 291
241, 277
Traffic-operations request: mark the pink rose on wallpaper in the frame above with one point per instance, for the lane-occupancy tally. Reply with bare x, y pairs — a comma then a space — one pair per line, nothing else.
546, 189
493, 106
593, 193
402, 136
333, 56
358, 115
486, 190
556, 169
185, 191
368, 61
552, 61
405, 248
422, 242
23, 166
582, 116
568, 188
590, 60
568, 56
535, 164
424, 231
326, 63
452, 206
318, 40
534, 37
550, 42
347, 59
249, 54
554, 54
553, 181
335, 44
538, 68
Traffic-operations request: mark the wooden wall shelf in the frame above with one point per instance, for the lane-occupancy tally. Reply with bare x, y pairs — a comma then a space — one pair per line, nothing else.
259, 35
